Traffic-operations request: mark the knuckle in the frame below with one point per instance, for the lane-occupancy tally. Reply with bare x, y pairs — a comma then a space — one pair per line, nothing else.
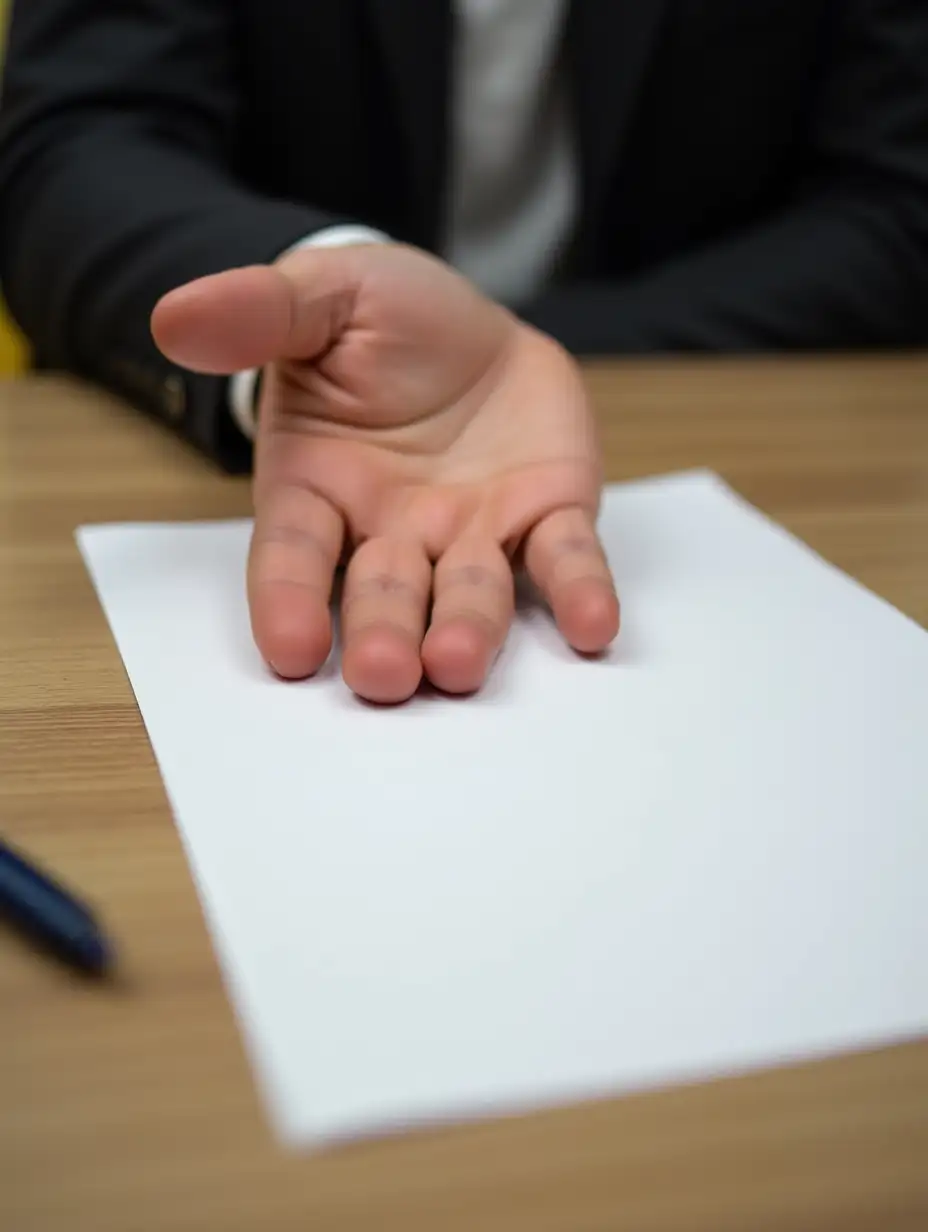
379, 584
457, 615
471, 576
310, 585
577, 545
300, 537
406, 630
382, 587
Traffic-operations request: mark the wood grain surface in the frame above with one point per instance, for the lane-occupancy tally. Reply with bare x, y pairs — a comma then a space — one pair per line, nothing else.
133, 1108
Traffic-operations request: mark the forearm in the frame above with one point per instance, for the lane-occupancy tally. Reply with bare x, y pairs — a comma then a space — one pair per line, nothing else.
830, 274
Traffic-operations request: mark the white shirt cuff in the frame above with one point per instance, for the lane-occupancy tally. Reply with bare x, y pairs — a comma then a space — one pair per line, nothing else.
242, 384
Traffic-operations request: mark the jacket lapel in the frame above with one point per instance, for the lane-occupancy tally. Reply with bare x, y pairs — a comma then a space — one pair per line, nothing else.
609, 44
415, 37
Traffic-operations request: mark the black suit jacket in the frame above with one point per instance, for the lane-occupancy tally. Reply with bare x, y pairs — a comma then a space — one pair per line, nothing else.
754, 172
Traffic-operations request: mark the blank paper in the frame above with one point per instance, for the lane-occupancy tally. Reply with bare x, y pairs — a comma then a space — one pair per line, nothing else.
706, 852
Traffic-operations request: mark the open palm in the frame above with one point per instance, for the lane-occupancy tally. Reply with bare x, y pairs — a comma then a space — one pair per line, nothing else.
417, 432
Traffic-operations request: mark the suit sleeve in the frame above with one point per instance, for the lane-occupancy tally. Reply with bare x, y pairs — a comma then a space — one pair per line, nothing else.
843, 263
117, 139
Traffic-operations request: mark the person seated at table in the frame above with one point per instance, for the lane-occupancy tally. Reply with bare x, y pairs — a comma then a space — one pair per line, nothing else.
407, 214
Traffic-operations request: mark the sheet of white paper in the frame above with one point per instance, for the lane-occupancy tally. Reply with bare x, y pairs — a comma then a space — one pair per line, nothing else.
705, 853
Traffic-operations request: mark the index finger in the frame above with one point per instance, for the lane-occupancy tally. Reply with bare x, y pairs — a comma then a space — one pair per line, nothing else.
295, 548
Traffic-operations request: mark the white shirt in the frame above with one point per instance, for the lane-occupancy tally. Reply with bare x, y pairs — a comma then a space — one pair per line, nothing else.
513, 187
513, 191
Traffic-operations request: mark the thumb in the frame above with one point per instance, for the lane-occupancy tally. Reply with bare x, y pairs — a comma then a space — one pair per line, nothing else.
246, 318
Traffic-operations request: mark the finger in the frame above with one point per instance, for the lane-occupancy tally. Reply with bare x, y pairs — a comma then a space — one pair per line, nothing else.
384, 606
566, 562
246, 318
471, 614
295, 548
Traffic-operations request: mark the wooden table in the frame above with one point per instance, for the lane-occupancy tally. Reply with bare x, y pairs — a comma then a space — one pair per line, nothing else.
134, 1109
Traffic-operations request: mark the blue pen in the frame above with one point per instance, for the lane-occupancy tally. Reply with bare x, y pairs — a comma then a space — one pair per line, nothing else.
45, 912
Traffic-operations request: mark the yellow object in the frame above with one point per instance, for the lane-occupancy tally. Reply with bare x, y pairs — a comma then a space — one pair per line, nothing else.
12, 350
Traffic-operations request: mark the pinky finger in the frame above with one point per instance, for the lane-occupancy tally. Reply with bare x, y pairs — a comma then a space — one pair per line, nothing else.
565, 560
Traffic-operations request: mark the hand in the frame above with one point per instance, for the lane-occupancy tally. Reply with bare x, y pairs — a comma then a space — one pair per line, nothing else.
418, 432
